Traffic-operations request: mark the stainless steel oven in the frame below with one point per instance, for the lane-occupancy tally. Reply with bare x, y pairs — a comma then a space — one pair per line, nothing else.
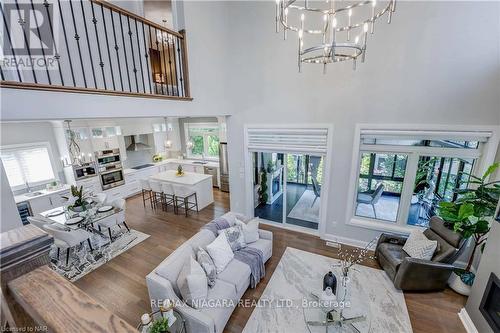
110, 168
85, 171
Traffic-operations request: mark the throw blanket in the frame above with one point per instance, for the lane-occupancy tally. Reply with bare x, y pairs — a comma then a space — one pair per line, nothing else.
255, 259
216, 225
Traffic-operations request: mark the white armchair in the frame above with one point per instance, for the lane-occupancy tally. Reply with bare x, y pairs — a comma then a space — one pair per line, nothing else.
67, 239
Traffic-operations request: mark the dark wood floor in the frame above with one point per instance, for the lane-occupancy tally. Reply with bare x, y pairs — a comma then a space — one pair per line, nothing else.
121, 286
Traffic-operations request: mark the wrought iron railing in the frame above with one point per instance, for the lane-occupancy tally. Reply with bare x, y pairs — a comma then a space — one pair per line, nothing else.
90, 46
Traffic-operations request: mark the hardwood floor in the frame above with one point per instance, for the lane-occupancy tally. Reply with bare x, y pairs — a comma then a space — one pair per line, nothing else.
121, 285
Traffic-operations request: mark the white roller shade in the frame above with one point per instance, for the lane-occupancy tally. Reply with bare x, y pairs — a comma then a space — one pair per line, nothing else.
288, 140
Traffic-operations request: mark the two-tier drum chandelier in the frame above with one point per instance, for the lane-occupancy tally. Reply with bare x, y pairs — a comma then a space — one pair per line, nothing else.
337, 29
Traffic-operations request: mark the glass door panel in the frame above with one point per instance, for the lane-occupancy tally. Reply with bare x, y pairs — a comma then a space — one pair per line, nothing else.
268, 186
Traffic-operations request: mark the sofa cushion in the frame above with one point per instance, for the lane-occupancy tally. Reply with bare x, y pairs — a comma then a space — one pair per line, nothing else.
235, 237
420, 247
221, 300
172, 265
221, 252
265, 245
236, 273
192, 283
201, 239
250, 229
390, 257
208, 265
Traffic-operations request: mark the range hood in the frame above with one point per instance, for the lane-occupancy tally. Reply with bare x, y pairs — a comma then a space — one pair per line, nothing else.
138, 142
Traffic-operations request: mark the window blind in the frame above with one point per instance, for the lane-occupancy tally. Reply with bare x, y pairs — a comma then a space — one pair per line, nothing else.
289, 140
479, 136
31, 165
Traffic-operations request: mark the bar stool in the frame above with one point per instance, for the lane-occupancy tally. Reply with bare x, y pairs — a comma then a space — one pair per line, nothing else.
156, 193
168, 196
146, 192
182, 195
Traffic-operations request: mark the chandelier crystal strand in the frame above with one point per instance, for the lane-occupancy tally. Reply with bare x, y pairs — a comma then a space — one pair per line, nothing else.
340, 25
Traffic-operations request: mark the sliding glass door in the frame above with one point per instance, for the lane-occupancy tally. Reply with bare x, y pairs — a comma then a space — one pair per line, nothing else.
287, 188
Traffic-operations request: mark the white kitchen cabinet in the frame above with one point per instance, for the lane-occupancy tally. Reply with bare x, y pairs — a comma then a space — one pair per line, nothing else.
104, 138
90, 184
188, 168
199, 169
41, 204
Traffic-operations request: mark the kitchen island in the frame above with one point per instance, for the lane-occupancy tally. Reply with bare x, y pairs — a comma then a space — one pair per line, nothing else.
200, 183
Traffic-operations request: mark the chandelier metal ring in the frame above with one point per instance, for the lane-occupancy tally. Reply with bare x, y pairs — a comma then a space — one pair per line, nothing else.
285, 9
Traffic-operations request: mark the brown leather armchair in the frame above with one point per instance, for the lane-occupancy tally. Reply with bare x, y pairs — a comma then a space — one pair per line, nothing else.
416, 274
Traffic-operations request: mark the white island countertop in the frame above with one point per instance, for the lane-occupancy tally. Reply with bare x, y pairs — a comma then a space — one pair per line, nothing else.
212, 164
189, 178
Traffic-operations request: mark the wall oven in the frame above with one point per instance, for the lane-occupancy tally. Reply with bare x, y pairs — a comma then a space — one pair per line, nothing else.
110, 168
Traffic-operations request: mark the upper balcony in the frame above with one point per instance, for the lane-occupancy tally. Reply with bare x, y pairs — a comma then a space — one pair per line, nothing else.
90, 46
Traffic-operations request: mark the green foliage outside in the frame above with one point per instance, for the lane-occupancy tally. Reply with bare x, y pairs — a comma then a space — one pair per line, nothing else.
213, 145
197, 145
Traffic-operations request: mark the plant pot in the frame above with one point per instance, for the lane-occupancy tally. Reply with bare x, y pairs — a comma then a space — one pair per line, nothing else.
458, 285
77, 209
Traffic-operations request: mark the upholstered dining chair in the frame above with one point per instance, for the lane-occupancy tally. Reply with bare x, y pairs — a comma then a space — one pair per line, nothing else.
371, 199
156, 193
115, 219
409, 273
183, 195
168, 196
146, 192
67, 239
100, 197
316, 190
38, 222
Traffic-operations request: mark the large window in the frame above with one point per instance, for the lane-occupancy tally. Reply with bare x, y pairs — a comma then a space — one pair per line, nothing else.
27, 165
204, 138
401, 177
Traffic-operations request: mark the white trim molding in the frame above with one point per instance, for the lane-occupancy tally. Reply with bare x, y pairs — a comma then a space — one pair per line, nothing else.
467, 321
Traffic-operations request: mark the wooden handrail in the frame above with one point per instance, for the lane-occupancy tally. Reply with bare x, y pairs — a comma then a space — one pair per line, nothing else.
137, 17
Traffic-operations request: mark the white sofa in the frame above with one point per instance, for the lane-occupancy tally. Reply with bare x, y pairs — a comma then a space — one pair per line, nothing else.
231, 283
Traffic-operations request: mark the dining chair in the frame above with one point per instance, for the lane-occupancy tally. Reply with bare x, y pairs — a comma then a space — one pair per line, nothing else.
183, 194
67, 239
371, 199
156, 192
115, 219
316, 190
168, 196
146, 192
38, 222
100, 197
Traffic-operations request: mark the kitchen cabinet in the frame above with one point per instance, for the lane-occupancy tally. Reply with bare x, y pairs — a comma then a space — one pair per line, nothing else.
104, 138
47, 202
91, 184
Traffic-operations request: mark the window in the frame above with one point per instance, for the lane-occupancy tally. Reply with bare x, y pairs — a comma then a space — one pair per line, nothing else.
403, 175
205, 139
27, 164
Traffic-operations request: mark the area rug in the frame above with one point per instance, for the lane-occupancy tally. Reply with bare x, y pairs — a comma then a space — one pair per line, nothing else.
285, 303
83, 261
304, 208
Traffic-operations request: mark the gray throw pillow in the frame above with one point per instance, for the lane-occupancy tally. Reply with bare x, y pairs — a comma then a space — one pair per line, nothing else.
192, 283
208, 266
235, 237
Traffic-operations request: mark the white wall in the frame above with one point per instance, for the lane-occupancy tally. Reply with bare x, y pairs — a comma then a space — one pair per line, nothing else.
10, 218
417, 71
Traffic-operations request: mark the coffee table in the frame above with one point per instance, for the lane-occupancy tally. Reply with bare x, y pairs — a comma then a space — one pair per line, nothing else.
281, 306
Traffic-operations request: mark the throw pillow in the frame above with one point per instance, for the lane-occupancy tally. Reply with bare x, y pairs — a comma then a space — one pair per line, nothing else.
192, 283
231, 218
250, 230
208, 266
235, 237
221, 252
420, 247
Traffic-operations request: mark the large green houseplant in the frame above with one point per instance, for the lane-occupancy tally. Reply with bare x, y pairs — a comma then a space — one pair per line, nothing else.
471, 214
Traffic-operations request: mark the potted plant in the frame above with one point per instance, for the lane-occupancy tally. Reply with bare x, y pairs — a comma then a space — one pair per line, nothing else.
159, 326
77, 200
470, 215
263, 196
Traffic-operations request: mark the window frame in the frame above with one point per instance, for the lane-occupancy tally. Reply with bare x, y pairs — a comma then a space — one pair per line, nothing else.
43, 144
189, 126
484, 156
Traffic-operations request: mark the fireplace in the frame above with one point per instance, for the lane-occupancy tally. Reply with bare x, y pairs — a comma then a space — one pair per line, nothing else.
490, 303
276, 184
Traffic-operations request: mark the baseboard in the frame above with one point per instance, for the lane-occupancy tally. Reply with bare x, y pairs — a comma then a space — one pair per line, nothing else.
467, 322
345, 240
